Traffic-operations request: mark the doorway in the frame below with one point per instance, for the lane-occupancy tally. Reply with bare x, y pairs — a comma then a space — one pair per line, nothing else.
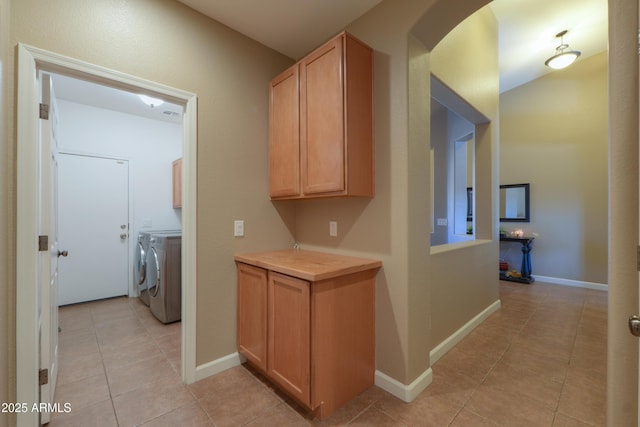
95, 233
30, 61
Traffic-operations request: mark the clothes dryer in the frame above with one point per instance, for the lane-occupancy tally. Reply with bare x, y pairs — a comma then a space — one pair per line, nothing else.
140, 262
140, 266
164, 276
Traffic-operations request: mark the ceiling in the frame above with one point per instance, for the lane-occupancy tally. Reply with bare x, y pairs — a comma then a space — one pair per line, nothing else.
97, 95
527, 30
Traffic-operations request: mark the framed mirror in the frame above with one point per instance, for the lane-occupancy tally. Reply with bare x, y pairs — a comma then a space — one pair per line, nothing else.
514, 203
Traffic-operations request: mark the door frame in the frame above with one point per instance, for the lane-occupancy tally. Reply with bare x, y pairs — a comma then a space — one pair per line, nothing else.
622, 347
30, 61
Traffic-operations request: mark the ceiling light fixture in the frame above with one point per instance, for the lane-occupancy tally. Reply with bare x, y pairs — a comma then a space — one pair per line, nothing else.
151, 102
564, 55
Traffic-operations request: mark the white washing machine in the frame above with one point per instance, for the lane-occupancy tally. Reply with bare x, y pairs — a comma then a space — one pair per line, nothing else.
164, 276
140, 262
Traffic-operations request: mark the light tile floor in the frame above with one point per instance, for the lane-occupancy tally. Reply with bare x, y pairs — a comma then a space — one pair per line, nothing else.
539, 361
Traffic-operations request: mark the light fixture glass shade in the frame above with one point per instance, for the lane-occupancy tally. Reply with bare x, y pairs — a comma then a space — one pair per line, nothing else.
150, 101
562, 60
564, 55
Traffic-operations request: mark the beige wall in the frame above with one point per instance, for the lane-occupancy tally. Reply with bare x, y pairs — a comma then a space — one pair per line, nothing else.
395, 225
7, 344
554, 135
622, 347
166, 42
379, 227
439, 135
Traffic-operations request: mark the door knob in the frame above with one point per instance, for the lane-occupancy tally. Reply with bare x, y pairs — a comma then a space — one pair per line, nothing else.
634, 325
63, 253
123, 236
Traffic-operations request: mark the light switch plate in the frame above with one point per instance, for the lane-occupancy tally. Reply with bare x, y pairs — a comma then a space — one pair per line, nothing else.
442, 221
238, 228
333, 228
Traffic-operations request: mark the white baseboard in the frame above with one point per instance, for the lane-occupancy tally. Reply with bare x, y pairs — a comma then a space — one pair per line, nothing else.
574, 283
406, 393
446, 345
216, 366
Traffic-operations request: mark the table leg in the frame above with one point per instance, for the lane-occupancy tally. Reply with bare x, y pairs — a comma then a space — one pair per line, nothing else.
525, 268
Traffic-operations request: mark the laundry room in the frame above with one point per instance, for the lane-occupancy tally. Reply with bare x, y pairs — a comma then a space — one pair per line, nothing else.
117, 156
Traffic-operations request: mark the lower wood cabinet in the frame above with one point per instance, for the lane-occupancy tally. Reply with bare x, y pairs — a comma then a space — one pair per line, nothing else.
314, 339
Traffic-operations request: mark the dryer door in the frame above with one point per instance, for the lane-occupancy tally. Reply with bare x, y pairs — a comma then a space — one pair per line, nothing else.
139, 264
153, 272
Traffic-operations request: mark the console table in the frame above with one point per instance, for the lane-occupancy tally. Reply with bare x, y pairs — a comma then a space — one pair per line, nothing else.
525, 267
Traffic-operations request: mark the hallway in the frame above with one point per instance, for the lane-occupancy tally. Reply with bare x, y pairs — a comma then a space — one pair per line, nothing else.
539, 361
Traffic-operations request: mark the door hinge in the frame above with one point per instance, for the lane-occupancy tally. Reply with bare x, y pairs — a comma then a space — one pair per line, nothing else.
638, 258
44, 111
43, 243
43, 376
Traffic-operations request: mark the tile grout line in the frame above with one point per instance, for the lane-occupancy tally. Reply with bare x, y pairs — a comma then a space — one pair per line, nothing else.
573, 348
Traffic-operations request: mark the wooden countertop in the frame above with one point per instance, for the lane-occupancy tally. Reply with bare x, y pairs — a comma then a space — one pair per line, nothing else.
308, 265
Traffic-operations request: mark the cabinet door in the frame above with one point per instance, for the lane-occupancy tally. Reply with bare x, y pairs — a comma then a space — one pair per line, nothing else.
322, 120
177, 183
252, 314
289, 335
284, 135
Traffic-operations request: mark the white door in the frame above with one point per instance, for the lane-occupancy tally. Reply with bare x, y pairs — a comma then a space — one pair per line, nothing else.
93, 215
48, 259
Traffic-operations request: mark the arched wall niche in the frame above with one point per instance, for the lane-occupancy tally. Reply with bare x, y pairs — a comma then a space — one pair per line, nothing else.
426, 55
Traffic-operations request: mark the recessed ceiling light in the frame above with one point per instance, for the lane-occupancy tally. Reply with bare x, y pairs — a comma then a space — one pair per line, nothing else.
150, 101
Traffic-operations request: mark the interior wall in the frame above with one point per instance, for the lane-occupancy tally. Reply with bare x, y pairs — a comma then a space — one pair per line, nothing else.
7, 227
457, 127
394, 226
464, 278
229, 73
438, 135
622, 347
560, 121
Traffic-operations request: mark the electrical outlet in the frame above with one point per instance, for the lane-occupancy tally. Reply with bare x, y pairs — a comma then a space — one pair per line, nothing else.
333, 228
442, 221
238, 228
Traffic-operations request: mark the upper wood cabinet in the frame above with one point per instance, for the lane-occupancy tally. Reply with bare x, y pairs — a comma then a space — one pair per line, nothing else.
321, 124
177, 183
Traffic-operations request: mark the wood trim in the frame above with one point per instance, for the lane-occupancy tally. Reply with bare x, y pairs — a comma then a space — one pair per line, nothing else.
176, 173
360, 144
